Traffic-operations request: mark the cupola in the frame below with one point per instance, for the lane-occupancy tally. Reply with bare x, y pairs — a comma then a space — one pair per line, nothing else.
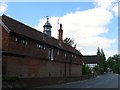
47, 28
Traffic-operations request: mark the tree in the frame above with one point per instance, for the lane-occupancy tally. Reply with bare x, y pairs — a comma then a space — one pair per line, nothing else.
85, 70
96, 70
102, 63
70, 42
110, 62
116, 67
98, 51
114, 63
103, 60
116, 57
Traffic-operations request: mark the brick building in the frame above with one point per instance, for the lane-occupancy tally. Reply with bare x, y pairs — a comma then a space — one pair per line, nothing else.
91, 60
27, 52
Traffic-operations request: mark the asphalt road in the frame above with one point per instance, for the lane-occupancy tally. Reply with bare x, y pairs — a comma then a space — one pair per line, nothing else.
108, 80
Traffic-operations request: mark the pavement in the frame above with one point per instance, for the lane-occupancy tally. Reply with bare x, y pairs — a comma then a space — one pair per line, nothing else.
108, 80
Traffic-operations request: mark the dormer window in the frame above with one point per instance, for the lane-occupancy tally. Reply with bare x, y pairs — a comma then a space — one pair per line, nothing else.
21, 40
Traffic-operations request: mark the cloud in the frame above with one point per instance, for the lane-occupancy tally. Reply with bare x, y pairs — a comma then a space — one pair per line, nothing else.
115, 9
109, 4
91, 22
92, 52
85, 27
106, 4
94, 42
110, 53
3, 7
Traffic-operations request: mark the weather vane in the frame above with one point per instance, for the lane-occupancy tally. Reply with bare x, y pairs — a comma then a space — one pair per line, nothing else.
47, 18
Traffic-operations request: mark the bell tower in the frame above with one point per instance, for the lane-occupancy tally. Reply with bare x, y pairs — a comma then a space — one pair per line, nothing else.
47, 27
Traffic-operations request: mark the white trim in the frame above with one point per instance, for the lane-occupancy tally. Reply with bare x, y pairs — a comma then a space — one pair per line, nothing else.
4, 26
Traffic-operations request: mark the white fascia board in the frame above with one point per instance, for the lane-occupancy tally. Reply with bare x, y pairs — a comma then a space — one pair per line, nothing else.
4, 26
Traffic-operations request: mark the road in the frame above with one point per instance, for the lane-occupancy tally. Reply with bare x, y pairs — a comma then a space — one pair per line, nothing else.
108, 80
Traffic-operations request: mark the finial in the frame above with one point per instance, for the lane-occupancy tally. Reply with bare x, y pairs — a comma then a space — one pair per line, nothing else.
47, 18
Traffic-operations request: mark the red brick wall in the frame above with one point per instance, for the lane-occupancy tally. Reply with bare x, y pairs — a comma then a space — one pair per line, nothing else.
5, 38
28, 67
76, 70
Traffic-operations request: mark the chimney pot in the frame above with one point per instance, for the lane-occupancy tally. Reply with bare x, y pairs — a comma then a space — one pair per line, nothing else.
60, 26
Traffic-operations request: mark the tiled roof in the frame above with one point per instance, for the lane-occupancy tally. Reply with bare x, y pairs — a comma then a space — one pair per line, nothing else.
22, 29
90, 59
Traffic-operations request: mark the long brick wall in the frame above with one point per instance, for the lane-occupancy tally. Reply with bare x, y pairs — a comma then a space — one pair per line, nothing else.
27, 67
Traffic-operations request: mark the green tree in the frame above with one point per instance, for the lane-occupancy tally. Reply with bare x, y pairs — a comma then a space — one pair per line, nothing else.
85, 70
116, 67
103, 59
116, 57
70, 42
114, 63
98, 51
102, 63
96, 70
110, 62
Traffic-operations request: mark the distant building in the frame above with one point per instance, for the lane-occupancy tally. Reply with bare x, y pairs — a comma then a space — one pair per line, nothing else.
27, 52
90, 60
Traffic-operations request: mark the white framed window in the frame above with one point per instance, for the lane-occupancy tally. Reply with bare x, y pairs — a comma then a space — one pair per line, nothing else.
50, 54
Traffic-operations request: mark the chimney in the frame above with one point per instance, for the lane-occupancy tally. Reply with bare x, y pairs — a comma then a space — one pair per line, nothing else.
60, 36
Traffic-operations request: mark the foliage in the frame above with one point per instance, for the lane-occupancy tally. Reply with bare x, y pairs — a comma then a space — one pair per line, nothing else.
114, 63
85, 70
69, 41
103, 62
111, 64
9, 78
